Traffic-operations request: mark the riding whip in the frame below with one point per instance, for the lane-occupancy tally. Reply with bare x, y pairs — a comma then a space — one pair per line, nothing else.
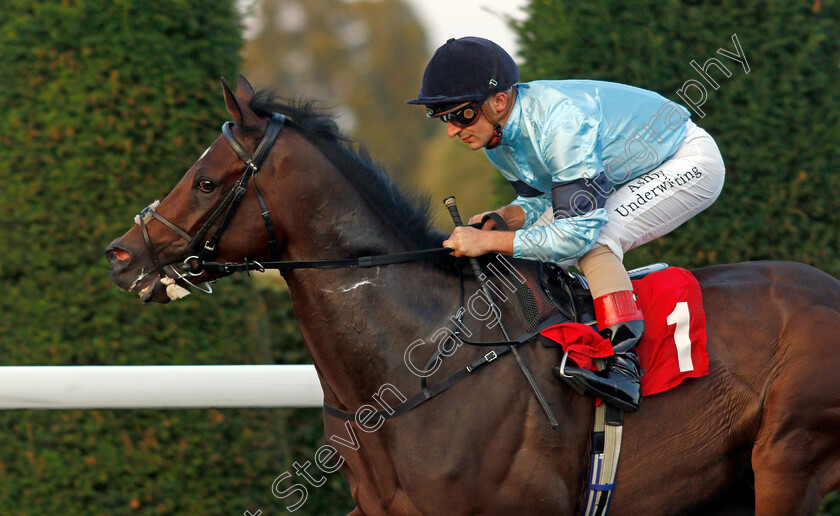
476, 267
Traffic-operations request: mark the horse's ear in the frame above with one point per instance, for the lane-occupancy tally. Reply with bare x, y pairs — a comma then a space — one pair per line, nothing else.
244, 90
238, 108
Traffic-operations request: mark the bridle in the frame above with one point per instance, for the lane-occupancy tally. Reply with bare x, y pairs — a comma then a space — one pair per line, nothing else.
193, 265
198, 262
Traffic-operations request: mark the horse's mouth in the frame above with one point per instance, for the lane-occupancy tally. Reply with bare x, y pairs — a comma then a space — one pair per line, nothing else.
150, 288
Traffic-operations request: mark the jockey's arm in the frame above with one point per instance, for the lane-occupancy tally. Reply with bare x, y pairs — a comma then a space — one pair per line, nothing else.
579, 189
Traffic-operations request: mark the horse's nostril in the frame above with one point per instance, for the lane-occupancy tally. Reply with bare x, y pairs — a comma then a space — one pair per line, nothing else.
116, 254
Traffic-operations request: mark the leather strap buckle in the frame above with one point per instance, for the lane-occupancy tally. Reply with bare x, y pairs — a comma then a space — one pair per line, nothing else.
486, 359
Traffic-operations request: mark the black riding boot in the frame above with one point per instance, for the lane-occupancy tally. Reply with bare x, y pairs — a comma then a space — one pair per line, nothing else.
620, 383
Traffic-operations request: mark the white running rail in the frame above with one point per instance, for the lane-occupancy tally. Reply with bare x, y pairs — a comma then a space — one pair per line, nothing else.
159, 387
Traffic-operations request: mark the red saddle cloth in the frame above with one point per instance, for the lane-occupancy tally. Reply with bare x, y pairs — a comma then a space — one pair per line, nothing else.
674, 345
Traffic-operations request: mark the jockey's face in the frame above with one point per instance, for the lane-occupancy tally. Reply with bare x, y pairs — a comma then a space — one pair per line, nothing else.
476, 135
479, 133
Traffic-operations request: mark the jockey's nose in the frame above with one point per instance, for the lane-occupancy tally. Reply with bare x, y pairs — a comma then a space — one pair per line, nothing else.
452, 130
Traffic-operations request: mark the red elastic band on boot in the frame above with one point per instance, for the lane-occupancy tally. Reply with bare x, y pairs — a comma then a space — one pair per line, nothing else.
615, 308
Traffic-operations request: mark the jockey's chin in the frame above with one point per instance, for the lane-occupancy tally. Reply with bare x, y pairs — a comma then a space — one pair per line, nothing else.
475, 142
476, 135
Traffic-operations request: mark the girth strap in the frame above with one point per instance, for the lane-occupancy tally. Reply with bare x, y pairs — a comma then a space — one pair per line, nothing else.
606, 448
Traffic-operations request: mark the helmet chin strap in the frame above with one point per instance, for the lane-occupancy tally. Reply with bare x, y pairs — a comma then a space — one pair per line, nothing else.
497, 127
497, 131
497, 136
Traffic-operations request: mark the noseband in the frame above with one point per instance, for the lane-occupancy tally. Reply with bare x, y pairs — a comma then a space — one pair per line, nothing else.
199, 262
194, 264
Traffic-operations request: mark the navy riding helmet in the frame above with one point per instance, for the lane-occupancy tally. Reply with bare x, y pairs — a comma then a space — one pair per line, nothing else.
466, 69
460, 76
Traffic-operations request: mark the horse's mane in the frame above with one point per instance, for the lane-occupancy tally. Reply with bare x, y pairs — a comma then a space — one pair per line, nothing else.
407, 211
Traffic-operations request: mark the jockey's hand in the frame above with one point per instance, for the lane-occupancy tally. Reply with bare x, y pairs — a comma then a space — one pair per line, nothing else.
488, 226
467, 241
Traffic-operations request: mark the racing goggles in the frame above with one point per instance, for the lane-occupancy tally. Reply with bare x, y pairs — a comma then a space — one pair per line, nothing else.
462, 115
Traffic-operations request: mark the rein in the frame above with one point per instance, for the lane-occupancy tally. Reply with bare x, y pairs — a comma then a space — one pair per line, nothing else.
502, 347
346, 263
198, 263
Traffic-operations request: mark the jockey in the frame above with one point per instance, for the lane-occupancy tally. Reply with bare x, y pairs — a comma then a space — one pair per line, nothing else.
599, 168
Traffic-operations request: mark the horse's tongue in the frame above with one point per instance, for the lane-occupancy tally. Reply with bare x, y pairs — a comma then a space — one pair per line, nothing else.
146, 293
152, 291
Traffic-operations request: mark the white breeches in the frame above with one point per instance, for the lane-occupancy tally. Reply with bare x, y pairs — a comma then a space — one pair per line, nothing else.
659, 201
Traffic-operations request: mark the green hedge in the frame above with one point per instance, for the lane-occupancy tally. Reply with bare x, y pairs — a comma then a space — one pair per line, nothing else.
104, 106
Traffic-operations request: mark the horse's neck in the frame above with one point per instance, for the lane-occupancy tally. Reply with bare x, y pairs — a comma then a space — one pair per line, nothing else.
357, 323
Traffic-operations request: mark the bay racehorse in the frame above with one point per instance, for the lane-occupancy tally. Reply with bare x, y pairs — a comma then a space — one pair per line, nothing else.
760, 434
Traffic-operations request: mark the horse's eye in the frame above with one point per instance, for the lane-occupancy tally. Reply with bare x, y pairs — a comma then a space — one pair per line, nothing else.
207, 186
